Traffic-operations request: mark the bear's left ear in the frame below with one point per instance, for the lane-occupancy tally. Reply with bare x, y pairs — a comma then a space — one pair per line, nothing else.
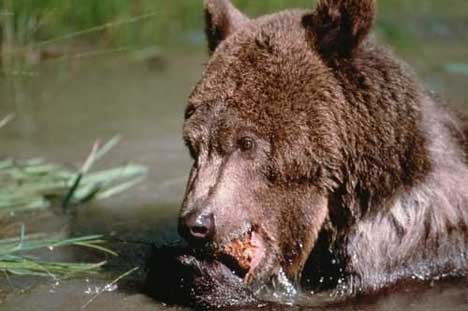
222, 19
338, 27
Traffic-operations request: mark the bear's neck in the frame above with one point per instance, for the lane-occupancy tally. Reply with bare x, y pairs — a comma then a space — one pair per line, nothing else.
385, 146
422, 232
398, 211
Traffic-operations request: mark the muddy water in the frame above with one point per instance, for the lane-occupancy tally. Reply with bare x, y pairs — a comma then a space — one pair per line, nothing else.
70, 104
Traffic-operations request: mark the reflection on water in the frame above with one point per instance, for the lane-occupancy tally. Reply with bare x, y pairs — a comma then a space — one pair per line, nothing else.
71, 107
73, 103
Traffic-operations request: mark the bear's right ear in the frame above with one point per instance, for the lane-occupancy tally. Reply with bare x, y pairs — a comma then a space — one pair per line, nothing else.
338, 27
222, 19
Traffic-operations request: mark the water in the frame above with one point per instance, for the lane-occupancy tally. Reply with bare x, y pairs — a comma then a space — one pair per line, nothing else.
72, 104
72, 107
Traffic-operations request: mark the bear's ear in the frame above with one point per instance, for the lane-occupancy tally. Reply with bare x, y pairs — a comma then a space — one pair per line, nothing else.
338, 27
222, 19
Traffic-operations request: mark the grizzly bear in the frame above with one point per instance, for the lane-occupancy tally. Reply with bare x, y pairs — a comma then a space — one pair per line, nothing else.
320, 162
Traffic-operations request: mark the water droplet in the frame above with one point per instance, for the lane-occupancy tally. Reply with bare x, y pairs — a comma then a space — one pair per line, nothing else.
110, 287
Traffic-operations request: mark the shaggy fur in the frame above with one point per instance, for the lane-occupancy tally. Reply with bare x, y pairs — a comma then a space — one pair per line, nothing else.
356, 178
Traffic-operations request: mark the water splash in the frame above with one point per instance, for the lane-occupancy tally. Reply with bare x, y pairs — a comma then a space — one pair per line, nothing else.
280, 290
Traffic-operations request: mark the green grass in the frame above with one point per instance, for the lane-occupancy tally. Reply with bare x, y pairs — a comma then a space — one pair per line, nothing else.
35, 184
114, 21
16, 258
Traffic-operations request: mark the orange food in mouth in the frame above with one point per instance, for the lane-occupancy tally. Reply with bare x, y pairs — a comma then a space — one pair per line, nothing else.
242, 251
246, 254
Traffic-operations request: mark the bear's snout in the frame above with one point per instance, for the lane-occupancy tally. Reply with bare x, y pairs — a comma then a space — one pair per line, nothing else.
197, 227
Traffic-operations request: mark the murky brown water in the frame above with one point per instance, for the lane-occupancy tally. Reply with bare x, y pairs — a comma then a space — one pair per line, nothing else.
97, 98
68, 110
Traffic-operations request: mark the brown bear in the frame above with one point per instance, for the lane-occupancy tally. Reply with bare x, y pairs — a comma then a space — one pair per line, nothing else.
320, 161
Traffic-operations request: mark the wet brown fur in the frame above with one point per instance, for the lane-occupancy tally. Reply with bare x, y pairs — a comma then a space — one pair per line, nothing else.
359, 175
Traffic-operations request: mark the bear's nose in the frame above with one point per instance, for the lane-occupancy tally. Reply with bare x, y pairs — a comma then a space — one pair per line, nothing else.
197, 227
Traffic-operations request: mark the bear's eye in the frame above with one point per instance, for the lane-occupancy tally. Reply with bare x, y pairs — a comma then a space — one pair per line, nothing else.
246, 144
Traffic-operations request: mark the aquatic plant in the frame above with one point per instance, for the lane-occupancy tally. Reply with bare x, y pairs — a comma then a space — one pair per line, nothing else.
16, 258
34, 184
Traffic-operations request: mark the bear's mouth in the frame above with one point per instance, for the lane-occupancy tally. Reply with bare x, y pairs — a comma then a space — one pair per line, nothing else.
243, 254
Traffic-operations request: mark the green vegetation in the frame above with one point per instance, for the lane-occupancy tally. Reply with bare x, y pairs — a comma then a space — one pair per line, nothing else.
157, 22
34, 184
14, 258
